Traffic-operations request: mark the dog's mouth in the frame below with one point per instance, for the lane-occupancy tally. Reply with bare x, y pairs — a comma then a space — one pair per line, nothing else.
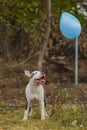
40, 80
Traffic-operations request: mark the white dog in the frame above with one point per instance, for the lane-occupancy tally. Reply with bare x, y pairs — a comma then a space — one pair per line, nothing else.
35, 90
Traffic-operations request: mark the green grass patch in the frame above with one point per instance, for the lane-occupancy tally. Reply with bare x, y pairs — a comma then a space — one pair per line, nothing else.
67, 117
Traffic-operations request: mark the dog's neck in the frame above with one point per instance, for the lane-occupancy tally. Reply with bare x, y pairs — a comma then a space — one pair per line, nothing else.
34, 87
33, 84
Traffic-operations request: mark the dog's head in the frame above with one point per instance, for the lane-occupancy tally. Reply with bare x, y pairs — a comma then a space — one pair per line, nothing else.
37, 77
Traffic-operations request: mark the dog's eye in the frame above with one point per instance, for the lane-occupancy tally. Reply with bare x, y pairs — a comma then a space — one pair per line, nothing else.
33, 73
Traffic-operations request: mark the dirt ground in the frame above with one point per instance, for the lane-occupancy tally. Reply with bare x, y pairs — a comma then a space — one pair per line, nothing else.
14, 97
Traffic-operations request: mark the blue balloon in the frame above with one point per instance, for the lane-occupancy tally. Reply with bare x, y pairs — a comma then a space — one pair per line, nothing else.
70, 26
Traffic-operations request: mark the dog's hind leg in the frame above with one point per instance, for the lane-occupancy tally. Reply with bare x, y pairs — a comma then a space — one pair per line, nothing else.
30, 110
46, 115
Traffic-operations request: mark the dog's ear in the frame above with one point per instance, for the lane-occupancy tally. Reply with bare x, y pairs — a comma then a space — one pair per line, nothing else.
27, 73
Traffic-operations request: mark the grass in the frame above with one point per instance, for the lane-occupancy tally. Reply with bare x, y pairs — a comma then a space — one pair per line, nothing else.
67, 117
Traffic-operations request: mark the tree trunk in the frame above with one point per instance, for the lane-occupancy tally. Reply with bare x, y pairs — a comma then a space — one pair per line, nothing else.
6, 44
45, 42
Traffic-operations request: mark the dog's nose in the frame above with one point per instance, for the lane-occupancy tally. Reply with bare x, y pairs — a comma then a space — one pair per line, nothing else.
42, 73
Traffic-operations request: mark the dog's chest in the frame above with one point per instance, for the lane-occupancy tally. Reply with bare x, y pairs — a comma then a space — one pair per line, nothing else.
35, 92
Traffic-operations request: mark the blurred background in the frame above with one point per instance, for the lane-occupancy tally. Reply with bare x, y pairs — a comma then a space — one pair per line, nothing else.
23, 26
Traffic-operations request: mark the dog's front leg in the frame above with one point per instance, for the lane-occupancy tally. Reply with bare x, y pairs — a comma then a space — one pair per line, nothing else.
42, 108
27, 109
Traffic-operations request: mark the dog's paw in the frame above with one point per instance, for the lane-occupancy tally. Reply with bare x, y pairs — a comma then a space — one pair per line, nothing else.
24, 119
42, 118
30, 114
46, 115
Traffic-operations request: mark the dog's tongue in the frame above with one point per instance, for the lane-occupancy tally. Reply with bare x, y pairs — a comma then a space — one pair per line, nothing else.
40, 81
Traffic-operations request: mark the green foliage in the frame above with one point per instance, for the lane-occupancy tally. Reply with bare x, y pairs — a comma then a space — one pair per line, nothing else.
63, 94
71, 115
61, 97
25, 13
62, 5
17, 13
20, 19
69, 6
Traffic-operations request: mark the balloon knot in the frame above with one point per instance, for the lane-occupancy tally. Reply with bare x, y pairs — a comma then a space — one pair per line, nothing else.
62, 11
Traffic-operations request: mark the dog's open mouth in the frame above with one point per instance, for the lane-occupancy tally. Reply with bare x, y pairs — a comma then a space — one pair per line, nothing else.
41, 80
